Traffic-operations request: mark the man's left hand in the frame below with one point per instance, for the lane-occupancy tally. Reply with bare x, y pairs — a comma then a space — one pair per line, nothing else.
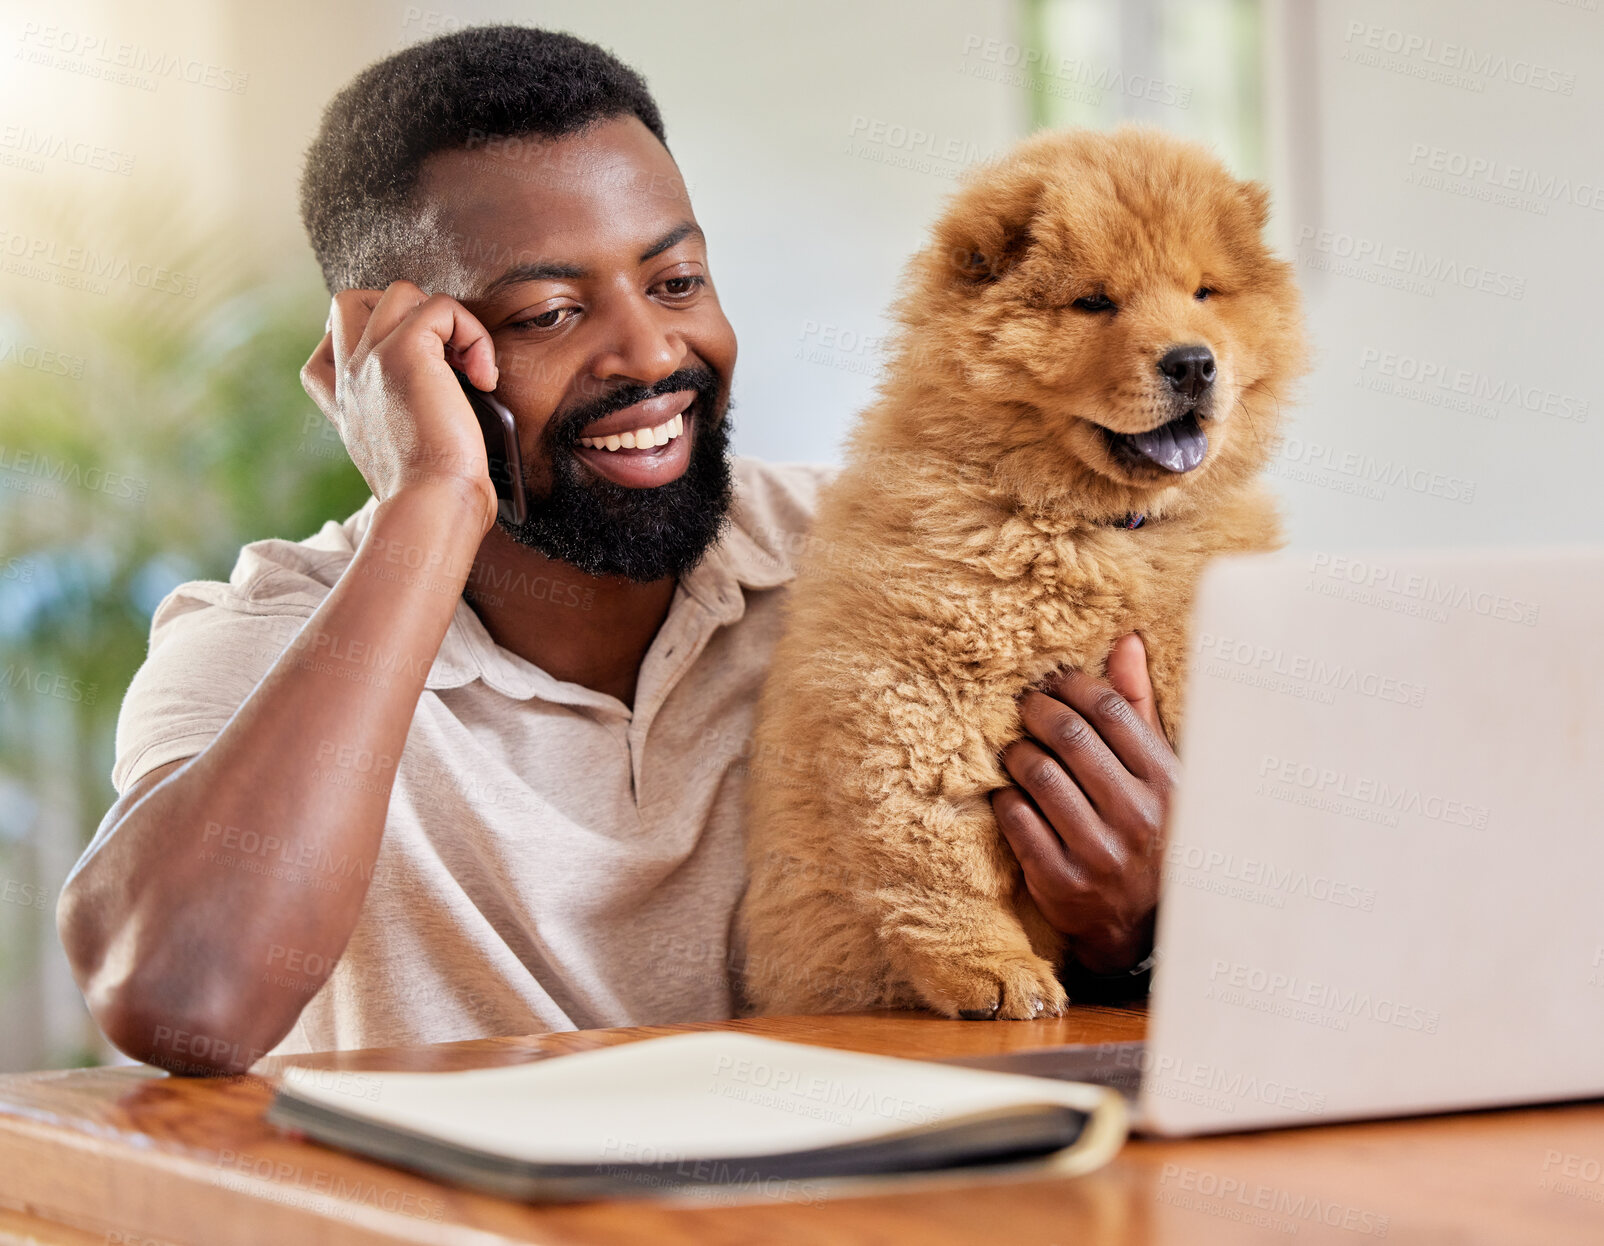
1087, 819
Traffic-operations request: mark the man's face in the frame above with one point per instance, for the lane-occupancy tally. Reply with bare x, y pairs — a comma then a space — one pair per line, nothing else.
583, 259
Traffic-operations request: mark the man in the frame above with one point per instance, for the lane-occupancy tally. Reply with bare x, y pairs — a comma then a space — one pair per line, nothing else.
428, 776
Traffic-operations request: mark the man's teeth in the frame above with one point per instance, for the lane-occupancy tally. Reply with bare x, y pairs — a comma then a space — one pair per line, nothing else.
641, 438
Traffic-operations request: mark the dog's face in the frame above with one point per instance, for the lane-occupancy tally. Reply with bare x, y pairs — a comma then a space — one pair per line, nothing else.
1109, 303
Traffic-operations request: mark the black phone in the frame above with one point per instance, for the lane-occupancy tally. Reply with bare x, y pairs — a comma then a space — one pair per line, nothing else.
501, 449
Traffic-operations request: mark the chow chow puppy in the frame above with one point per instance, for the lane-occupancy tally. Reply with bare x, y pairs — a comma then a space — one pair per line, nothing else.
1086, 383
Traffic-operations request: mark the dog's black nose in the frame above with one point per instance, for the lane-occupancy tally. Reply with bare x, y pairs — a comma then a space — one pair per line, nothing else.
1190, 369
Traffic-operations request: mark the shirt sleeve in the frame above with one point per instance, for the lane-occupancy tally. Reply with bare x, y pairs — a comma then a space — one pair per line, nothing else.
206, 656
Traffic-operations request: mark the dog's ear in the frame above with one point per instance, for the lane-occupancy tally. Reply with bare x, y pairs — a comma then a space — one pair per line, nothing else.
988, 230
974, 267
970, 264
1257, 197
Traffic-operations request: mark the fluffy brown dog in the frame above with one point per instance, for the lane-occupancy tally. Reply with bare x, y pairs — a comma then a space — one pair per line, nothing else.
1096, 333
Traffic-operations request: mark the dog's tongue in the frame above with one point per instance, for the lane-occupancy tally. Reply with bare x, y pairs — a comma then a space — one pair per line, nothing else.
1178, 446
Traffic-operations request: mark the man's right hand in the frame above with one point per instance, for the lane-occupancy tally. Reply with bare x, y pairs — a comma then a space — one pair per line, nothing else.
164, 938
383, 376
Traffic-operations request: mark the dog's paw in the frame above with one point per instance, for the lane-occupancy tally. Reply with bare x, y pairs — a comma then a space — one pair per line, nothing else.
1005, 986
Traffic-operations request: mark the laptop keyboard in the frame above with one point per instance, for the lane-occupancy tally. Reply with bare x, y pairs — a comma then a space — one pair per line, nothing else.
1115, 1065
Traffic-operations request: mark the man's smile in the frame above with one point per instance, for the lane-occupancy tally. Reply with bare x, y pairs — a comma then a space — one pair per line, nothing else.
640, 439
643, 445
650, 416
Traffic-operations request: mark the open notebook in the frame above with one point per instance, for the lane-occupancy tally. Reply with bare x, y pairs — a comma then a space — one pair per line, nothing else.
717, 1111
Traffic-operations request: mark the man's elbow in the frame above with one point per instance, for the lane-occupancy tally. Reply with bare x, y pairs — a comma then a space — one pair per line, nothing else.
167, 1020
204, 1044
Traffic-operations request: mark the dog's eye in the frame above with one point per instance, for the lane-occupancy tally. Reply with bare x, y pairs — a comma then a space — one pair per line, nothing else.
1094, 303
1202, 293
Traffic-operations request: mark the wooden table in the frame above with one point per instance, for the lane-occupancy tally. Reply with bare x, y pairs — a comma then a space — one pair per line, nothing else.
115, 1157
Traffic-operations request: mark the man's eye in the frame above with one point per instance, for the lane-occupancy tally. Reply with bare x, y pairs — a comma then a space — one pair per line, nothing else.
681, 287
548, 319
1094, 303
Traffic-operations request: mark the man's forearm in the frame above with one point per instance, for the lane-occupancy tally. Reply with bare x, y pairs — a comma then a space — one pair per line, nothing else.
264, 843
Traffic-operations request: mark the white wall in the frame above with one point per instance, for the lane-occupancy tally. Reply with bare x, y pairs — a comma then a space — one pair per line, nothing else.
1524, 476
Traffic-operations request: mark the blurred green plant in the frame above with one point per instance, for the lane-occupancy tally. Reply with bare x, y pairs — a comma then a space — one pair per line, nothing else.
1194, 67
144, 437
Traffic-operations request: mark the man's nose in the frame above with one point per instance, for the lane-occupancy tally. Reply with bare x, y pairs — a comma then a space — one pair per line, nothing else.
639, 346
1189, 369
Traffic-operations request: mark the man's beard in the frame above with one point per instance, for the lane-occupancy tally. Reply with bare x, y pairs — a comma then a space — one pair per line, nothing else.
641, 534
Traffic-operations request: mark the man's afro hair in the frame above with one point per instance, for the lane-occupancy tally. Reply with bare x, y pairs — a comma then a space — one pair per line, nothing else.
443, 94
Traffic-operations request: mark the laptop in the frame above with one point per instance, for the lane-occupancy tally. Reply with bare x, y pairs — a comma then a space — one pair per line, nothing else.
1384, 881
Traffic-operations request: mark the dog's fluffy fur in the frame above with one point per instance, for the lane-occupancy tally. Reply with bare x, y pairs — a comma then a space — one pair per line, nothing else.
974, 543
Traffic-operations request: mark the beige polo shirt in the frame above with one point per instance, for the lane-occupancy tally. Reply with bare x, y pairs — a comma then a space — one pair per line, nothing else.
552, 859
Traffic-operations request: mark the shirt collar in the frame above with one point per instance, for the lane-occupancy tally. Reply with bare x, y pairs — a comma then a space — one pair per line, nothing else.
748, 555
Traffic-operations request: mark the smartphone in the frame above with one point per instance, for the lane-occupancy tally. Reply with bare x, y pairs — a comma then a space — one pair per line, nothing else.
501, 449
